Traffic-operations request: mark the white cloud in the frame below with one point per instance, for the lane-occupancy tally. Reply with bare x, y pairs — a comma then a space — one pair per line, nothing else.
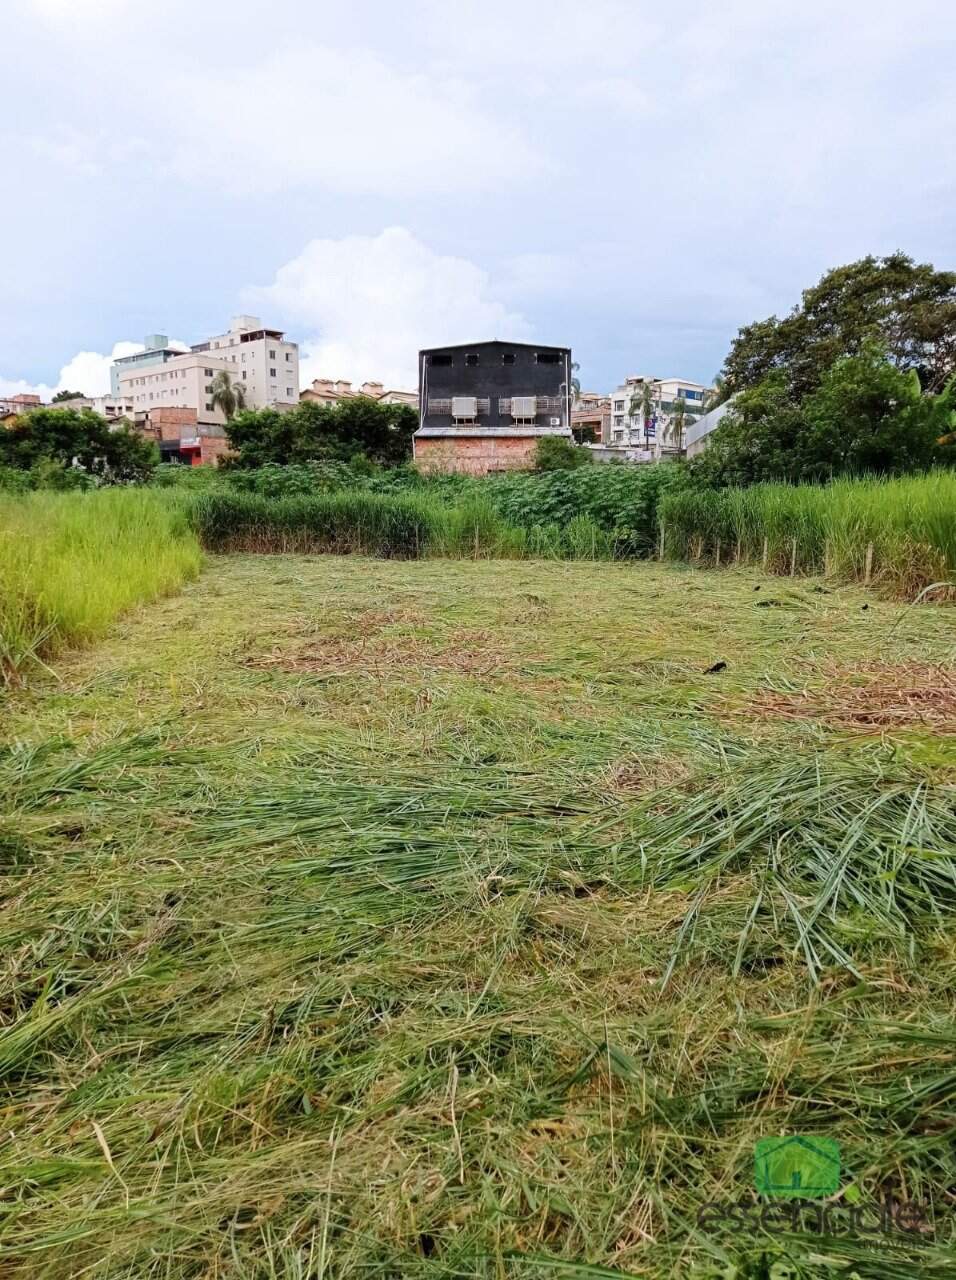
88, 373
343, 119
366, 304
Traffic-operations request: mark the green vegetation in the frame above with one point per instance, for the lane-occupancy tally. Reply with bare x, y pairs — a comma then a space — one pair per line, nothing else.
71, 563
227, 395
71, 448
908, 309
434, 919
552, 453
361, 427
900, 534
867, 417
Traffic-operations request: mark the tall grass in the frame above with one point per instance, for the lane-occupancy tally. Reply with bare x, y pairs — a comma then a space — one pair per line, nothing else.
71, 563
399, 526
899, 533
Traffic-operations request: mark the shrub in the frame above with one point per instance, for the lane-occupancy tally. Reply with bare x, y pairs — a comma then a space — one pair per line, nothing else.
554, 453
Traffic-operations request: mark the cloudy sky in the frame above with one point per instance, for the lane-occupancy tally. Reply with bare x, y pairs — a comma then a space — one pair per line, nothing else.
635, 178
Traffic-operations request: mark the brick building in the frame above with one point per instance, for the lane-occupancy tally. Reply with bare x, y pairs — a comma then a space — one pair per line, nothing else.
485, 405
181, 438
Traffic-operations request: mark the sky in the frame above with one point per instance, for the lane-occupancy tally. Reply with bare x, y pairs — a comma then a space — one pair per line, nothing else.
636, 180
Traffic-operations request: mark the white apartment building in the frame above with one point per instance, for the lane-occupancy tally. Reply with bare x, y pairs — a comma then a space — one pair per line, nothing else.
110, 407
183, 383
260, 359
652, 432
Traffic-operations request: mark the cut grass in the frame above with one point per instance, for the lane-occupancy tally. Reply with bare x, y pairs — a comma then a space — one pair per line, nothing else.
359, 970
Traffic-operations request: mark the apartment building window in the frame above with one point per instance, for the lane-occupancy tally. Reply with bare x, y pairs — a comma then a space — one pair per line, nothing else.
471, 358
208, 372
208, 388
440, 361
272, 373
244, 375
289, 392
508, 357
272, 355
209, 405
548, 357
618, 406
288, 356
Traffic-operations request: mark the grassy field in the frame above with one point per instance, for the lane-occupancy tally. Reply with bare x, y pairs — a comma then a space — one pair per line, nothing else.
70, 564
433, 918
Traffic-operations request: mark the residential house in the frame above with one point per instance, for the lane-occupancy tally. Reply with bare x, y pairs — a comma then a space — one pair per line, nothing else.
591, 418
112, 408
20, 403
331, 391
485, 405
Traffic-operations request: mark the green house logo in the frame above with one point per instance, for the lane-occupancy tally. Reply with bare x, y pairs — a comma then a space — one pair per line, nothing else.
797, 1166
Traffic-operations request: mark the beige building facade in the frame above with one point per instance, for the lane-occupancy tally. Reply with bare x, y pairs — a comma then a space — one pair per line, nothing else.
260, 359
183, 383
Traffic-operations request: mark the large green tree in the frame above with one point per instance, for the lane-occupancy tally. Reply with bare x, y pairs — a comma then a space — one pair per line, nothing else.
77, 438
312, 432
909, 308
866, 416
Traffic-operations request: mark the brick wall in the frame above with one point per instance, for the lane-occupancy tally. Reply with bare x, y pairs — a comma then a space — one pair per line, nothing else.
475, 455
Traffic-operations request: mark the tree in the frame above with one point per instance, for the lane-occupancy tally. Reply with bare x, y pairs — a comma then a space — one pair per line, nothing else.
67, 395
227, 395
867, 416
77, 438
675, 424
644, 404
314, 432
556, 453
908, 308
719, 394
575, 380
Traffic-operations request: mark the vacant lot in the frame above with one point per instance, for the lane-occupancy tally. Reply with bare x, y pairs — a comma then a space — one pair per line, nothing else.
389, 919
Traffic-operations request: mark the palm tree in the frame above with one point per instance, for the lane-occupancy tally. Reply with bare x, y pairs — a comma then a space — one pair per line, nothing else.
675, 427
717, 395
226, 395
644, 403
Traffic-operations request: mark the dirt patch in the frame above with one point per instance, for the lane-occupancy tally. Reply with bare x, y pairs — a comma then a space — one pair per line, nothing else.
635, 776
379, 656
873, 695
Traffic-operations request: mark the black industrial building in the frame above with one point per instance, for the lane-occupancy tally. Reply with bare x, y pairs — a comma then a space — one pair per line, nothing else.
495, 385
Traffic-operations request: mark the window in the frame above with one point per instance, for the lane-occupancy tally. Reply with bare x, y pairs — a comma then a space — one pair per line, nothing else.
618, 406
548, 357
441, 361
208, 388
209, 405
289, 392
244, 375
471, 358
272, 355
288, 356
508, 357
272, 373
208, 372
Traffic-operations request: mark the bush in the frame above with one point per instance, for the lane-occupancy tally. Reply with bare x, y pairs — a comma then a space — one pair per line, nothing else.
554, 453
